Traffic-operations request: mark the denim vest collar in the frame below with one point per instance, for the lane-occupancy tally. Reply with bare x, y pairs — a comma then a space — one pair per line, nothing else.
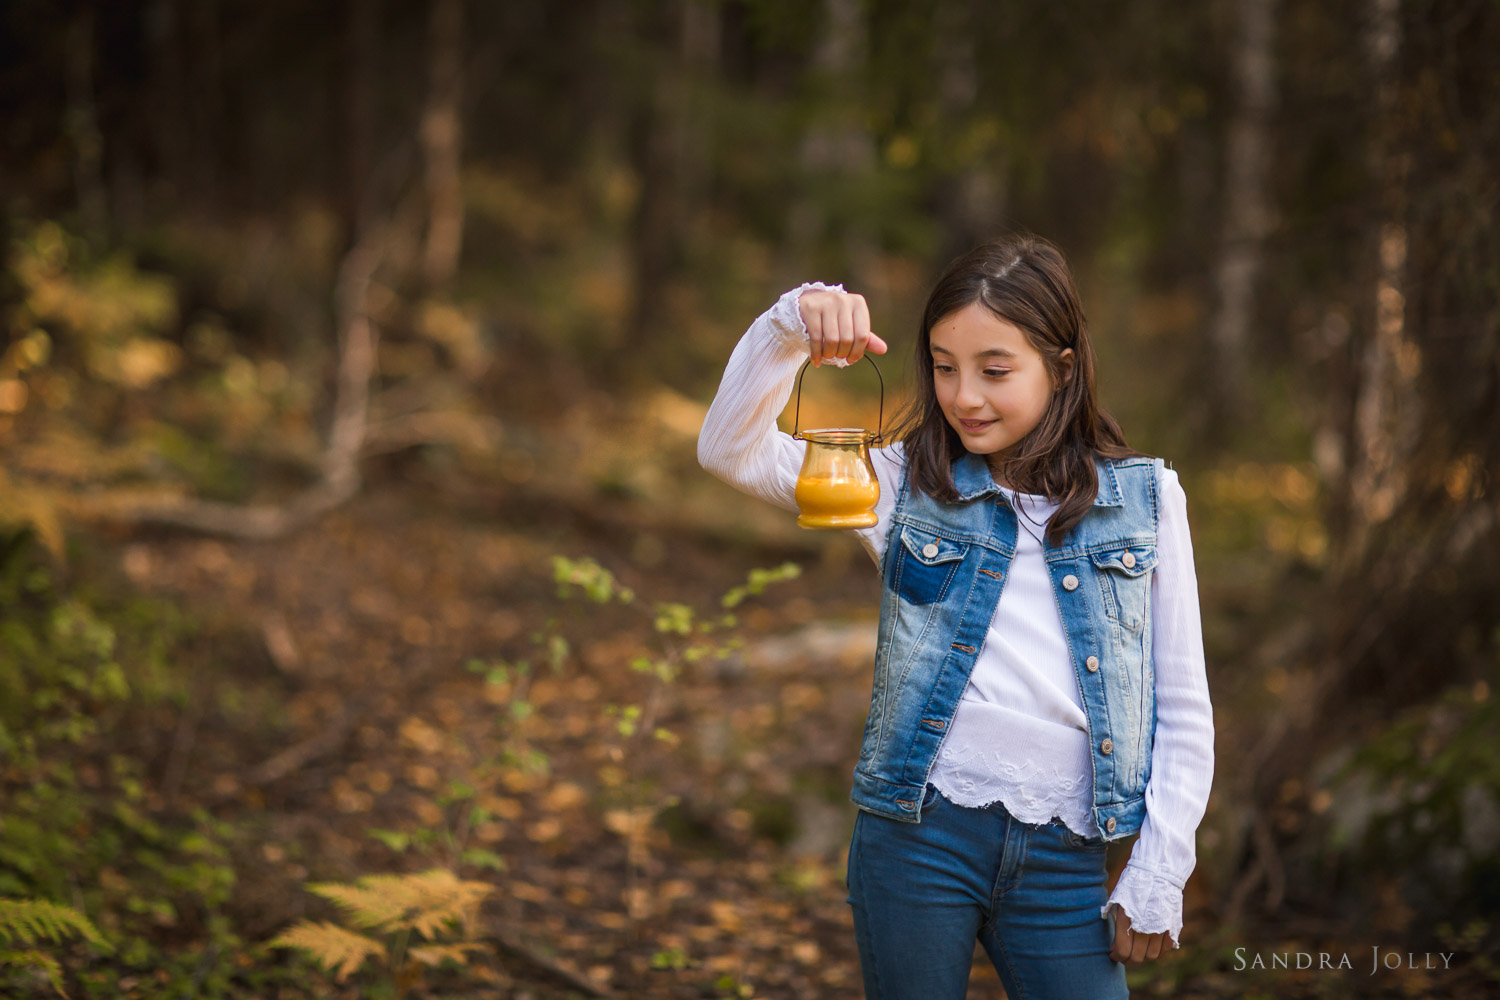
973, 480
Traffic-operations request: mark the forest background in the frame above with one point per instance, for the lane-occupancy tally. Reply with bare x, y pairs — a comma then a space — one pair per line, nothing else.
352, 535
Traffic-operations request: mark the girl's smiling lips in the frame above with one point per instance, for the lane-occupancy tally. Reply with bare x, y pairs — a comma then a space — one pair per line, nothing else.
975, 425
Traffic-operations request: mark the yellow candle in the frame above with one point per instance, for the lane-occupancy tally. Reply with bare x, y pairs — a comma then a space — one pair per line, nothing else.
837, 503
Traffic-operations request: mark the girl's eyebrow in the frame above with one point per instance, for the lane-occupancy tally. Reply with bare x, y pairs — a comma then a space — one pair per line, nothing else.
996, 352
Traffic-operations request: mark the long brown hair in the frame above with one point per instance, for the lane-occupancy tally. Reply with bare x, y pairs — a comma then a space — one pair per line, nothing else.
1025, 281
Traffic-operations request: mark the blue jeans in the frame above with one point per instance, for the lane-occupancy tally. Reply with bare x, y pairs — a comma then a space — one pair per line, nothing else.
923, 892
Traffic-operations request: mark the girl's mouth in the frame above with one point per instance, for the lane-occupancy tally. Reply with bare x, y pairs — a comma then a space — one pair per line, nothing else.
975, 425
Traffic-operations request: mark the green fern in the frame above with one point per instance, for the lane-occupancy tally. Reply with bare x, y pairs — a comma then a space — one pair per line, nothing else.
28, 921
33, 921
33, 959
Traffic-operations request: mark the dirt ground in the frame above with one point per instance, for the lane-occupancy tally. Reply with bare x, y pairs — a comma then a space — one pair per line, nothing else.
335, 700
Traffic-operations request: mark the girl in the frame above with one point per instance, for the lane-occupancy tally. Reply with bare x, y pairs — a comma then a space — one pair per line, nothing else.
1039, 686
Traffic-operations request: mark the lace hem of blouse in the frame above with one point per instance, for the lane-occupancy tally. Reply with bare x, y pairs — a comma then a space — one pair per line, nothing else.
1030, 791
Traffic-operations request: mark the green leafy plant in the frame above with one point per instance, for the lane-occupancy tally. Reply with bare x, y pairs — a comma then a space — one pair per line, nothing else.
682, 636
80, 669
33, 922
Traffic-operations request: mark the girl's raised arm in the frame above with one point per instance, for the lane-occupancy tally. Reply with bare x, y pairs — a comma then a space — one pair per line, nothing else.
740, 442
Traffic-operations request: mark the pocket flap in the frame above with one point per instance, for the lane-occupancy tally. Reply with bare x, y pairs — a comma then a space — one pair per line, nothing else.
931, 548
1131, 560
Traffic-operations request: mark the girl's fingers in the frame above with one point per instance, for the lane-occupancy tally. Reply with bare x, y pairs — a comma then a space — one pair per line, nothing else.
846, 327
864, 340
814, 323
1119, 950
838, 326
861, 315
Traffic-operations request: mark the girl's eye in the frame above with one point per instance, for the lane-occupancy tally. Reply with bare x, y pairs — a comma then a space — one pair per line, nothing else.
942, 368
997, 372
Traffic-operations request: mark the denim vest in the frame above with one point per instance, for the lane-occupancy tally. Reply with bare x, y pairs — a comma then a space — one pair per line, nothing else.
942, 572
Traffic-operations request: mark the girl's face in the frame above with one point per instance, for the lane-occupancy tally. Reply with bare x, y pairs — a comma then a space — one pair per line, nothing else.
992, 385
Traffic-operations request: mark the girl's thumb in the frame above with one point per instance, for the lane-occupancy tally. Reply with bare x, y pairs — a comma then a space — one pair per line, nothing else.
876, 345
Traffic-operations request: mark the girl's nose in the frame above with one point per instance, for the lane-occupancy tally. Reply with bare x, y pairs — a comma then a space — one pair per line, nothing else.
968, 396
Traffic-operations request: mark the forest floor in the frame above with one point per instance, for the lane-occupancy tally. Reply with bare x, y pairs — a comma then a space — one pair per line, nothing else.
334, 698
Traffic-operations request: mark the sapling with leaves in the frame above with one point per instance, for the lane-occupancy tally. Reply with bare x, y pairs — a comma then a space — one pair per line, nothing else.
681, 636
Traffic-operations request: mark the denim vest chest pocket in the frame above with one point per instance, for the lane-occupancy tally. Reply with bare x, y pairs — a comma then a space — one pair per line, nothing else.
1124, 574
926, 564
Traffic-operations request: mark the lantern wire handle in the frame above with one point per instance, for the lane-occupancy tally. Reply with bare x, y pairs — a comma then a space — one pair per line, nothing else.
880, 416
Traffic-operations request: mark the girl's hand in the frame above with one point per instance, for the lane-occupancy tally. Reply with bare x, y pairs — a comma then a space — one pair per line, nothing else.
1132, 947
838, 326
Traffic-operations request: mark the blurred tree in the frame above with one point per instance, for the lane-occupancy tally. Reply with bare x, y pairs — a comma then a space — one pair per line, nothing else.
836, 153
442, 145
971, 170
1248, 215
671, 153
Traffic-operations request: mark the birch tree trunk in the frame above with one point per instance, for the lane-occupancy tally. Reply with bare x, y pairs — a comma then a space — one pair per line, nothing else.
1387, 405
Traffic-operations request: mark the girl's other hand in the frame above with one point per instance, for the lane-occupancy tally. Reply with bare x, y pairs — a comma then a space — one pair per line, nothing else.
1132, 947
838, 326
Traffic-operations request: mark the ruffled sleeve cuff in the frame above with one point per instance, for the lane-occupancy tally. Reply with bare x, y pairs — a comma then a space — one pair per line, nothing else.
786, 321
1151, 900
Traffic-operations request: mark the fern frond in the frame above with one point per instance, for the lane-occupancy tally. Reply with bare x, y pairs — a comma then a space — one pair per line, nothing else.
367, 904
26, 505
341, 952
33, 959
435, 955
424, 902
28, 921
442, 897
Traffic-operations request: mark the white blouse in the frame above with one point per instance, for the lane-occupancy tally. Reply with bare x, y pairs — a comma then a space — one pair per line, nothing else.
1019, 735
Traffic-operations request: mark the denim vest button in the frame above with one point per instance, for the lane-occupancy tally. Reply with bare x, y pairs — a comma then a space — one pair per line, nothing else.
930, 550
1129, 560
1070, 582
1093, 664
1107, 747
1109, 825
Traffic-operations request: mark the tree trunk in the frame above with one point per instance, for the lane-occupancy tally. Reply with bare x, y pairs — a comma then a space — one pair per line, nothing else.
83, 121
970, 193
1248, 214
1387, 413
359, 82
836, 154
442, 146
672, 158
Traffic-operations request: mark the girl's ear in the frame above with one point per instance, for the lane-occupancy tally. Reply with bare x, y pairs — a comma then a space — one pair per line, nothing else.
1065, 365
